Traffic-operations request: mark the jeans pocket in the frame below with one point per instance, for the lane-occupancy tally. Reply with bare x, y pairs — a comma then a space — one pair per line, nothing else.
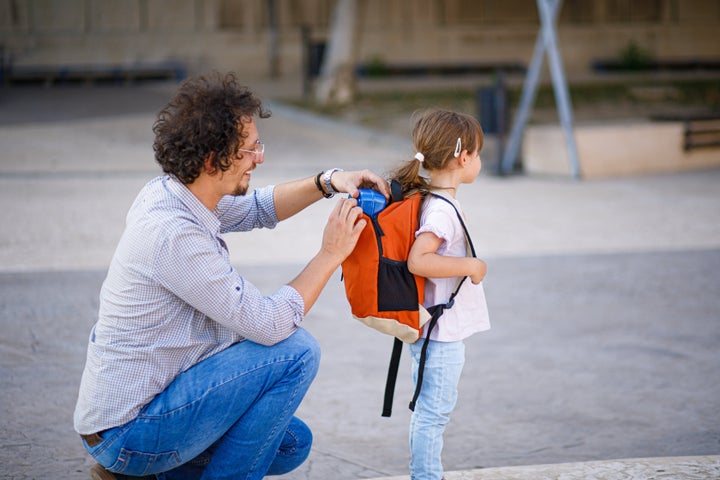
140, 463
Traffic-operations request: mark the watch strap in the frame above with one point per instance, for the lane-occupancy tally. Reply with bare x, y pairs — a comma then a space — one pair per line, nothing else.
319, 186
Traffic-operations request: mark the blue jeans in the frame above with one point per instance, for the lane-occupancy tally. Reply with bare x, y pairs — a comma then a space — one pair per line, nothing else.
443, 366
229, 416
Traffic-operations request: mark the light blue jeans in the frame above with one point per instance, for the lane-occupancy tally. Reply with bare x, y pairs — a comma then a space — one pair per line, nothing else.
443, 366
229, 416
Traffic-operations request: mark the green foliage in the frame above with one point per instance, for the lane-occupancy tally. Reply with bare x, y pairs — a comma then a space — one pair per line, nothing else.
633, 57
376, 67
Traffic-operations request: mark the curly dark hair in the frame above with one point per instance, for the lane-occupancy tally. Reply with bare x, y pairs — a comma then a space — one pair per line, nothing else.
203, 117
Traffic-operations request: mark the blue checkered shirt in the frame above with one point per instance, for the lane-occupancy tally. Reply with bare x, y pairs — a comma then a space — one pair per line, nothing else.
171, 299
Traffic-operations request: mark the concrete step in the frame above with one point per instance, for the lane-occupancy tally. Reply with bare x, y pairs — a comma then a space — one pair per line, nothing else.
676, 468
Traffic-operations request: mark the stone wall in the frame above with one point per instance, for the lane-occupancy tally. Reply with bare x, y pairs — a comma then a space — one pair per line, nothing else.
234, 34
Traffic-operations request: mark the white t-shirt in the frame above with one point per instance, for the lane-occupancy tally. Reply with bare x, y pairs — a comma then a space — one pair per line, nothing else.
469, 314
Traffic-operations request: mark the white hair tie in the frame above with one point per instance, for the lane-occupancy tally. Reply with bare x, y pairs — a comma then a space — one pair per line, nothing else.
419, 157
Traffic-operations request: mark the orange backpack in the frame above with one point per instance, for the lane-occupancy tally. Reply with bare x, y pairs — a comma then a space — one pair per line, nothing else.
382, 292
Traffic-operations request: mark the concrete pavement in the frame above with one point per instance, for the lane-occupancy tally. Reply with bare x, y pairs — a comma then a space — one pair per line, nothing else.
603, 297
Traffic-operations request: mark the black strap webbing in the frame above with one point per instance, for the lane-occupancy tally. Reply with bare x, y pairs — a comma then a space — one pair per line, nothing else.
435, 311
392, 377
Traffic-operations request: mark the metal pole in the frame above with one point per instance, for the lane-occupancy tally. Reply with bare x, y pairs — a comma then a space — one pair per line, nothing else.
501, 110
546, 40
527, 98
548, 12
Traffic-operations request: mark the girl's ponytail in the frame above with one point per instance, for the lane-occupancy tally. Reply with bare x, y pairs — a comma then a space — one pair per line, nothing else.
408, 175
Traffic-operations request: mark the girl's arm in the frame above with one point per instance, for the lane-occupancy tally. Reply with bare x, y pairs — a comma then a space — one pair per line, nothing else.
424, 261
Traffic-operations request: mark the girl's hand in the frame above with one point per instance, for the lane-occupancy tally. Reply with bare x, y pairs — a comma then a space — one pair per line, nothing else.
479, 269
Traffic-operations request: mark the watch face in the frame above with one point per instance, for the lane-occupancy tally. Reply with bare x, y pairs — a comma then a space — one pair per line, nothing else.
328, 183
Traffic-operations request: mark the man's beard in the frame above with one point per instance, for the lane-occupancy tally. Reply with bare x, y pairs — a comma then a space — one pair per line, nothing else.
240, 191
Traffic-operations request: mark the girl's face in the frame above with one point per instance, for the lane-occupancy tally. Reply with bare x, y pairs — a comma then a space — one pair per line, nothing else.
473, 166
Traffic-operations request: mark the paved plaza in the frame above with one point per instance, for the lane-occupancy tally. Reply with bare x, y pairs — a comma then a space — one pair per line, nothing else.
603, 360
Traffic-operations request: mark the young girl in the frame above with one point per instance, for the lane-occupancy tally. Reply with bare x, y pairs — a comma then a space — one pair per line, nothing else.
448, 147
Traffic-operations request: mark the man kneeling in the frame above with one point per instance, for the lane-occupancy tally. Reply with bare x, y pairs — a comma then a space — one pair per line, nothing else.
190, 371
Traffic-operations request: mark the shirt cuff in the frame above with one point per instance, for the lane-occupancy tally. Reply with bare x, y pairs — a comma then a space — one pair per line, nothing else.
295, 300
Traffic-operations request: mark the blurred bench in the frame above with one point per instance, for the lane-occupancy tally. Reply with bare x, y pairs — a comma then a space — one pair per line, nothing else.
94, 73
699, 130
652, 65
702, 133
380, 69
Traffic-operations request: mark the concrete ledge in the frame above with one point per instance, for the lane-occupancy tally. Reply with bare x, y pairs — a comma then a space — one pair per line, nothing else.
676, 468
615, 149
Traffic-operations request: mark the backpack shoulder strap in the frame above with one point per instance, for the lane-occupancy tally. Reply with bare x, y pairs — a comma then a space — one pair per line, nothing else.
467, 237
396, 191
460, 218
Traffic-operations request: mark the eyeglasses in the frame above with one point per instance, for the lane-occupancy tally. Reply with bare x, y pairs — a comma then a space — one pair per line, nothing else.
259, 149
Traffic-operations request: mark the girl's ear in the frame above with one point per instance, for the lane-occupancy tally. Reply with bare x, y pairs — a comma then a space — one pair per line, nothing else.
463, 158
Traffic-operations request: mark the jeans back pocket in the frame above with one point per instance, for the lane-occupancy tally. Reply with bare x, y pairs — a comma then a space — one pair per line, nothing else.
140, 463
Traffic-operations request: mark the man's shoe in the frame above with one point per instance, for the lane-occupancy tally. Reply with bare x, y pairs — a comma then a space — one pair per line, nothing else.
98, 472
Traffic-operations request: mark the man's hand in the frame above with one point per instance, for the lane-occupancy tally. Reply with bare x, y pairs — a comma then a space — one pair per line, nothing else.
342, 229
339, 238
349, 182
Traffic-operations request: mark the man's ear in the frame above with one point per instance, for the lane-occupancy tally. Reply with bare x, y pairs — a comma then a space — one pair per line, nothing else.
209, 163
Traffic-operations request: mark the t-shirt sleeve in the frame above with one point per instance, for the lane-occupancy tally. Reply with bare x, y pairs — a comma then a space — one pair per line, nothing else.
438, 222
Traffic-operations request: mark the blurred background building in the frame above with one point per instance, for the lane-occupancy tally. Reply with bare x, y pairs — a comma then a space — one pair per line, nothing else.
42, 40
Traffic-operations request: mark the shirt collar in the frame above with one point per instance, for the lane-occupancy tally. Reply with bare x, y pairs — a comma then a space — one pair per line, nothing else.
193, 204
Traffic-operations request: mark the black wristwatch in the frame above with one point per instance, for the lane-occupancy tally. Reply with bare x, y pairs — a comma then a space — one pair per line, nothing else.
319, 186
